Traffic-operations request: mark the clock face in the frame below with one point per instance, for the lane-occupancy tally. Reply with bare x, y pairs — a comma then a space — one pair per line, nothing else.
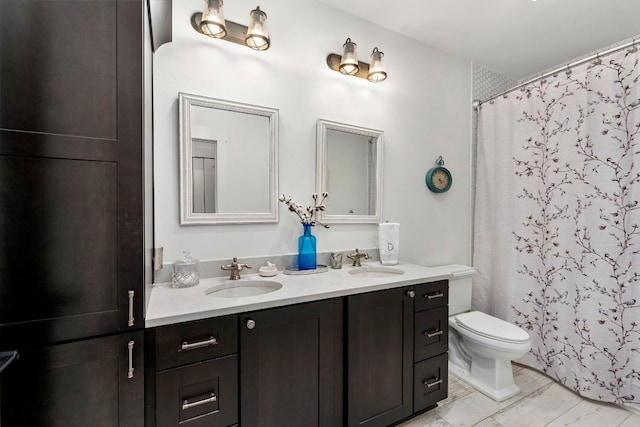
441, 179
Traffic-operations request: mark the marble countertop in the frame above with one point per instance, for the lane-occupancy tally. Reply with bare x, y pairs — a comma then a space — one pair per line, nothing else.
168, 305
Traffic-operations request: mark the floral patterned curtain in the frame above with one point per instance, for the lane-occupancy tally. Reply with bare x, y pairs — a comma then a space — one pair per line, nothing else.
557, 223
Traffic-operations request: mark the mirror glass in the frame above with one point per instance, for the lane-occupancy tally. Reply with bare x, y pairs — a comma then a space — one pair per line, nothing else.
349, 168
228, 161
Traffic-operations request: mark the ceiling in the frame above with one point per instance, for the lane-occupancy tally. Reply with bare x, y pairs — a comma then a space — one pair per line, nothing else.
516, 38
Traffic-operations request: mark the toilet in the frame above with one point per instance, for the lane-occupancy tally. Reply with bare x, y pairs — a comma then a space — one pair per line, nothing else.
481, 347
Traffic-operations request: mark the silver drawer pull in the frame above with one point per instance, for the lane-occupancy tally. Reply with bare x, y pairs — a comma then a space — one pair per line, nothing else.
186, 405
434, 383
199, 344
433, 334
434, 295
130, 348
130, 321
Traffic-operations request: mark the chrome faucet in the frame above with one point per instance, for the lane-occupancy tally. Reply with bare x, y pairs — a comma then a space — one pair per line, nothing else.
356, 257
234, 268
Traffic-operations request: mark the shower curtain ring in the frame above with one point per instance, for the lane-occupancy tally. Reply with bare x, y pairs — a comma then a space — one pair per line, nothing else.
568, 71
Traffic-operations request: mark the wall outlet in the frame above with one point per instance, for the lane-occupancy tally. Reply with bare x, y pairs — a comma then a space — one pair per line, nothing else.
157, 259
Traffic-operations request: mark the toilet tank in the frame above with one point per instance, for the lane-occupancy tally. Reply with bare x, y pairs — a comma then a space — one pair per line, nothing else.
459, 287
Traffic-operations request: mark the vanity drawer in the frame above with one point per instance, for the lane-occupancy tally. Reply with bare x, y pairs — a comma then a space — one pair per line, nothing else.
430, 333
191, 342
202, 394
430, 382
431, 295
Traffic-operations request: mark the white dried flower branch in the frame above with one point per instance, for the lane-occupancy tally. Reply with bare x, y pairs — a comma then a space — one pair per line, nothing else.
306, 215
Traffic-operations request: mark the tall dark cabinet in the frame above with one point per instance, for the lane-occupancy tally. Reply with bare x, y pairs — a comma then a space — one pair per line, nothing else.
71, 211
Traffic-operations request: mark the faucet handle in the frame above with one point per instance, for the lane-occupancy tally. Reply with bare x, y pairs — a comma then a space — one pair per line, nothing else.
232, 266
356, 257
235, 268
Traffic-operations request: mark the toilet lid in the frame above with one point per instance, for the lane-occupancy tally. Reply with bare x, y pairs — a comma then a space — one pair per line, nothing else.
491, 327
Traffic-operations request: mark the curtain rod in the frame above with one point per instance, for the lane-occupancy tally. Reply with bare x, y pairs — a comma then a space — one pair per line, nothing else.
477, 103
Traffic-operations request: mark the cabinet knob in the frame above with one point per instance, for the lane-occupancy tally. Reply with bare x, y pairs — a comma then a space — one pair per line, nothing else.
411, 294
251, 323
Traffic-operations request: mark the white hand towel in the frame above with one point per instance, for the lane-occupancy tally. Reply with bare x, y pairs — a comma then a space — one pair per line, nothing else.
389, 239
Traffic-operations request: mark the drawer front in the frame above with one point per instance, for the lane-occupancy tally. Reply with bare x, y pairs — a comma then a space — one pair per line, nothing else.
202, 394
431, 333
184, 343
430, 382
431, 295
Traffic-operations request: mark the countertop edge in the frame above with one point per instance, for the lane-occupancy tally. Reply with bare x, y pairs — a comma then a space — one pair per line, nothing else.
251, 304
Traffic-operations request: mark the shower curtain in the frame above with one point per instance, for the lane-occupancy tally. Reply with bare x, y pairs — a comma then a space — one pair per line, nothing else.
557, 223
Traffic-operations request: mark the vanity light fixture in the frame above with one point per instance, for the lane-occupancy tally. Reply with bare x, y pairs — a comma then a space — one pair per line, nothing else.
212, 23
257, 34
348, 63
377, 70
349, 59
212, 20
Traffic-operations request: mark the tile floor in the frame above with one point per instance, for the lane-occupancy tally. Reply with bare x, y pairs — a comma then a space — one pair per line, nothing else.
542, 402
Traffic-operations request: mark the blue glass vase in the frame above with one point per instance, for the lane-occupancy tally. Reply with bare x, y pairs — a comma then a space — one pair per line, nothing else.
306, 249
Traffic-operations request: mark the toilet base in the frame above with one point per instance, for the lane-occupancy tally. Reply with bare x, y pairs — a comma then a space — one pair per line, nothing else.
497, 383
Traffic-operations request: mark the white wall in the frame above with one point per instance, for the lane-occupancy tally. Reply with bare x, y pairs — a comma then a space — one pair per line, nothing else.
423, 108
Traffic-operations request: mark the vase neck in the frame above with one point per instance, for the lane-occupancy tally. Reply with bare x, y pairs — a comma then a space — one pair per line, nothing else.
307, 228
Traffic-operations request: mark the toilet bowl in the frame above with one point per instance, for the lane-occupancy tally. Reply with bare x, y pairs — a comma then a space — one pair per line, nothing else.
481, 347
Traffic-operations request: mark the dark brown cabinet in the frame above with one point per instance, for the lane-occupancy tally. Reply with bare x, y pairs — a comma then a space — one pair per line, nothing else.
380, 357
291, 366
387, 350
396, 353
195, 382
71, 212
70, 169
95, 382
201, 394
431, 342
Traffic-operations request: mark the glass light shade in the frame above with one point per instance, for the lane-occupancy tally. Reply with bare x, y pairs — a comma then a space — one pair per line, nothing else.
377, 70
349, 60
257, 33
212, 21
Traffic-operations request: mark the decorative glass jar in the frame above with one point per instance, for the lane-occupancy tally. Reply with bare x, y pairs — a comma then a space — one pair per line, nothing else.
185, 272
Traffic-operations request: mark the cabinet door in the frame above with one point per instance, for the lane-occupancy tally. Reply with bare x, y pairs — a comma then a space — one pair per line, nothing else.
380, 357
85, 383
70, 169
291, 366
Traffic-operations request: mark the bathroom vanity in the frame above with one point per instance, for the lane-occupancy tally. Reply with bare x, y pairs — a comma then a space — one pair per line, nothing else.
327, 349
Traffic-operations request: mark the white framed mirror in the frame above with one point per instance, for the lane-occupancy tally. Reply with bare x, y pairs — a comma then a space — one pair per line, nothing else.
349, 168
228, 161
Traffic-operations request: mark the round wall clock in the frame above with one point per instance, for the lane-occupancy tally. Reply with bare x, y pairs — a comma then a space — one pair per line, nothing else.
439, 178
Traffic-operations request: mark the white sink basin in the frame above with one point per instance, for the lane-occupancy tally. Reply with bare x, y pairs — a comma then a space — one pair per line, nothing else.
376, 272
245, 288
